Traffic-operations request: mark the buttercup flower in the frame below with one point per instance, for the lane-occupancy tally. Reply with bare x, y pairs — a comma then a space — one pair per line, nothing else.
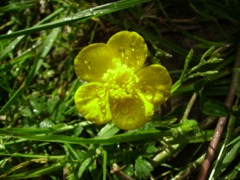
119, 87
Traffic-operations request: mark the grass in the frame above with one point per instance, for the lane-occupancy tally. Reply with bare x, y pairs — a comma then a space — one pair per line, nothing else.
43, 137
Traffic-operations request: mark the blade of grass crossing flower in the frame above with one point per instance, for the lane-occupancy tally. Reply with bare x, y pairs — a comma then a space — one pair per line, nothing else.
81, 16
35, 67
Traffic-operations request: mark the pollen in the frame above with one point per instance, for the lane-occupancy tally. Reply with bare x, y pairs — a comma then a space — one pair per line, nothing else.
121, 83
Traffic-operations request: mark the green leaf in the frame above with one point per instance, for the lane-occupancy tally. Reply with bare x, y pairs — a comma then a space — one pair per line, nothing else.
175, 86
206, 73
230, 155
142, 168
234, 141
108, 130
207, 53
37, 104
84, 166
26, 112
129, 170
52, 104
178, 83
151, 149
46, 123
212, 107
234, 174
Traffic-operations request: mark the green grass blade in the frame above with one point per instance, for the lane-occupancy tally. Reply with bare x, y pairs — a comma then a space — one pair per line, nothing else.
35, 67
19, 39
184, 129
81, 16
104, 153
38, 172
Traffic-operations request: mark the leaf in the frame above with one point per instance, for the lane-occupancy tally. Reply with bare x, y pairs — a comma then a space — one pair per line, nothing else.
84, 166
207, 53
26, 112
206, 73
46, 123
230, 156
234, 141
37, 104
52, 104
178, 83
151, 149
212, 107
175, 86
142, 168
108, 130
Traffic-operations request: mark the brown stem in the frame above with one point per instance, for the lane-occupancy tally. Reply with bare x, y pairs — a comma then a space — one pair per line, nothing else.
117, 170
203, 174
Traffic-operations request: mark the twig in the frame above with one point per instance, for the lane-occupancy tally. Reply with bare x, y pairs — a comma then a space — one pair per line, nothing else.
189, 169
117, 170
189, 107
171, 149
220, 125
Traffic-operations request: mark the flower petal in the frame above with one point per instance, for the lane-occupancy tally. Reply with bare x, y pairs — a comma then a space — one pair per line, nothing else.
93, 61
130, 48
92, 102
155, 83
131, 113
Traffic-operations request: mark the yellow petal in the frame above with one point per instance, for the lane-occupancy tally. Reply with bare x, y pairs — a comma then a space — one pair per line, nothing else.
92, 102
155, 83
93, 61
130, 48
131, 113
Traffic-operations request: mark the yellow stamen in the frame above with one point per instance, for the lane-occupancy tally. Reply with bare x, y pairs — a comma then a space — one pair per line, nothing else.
121, 82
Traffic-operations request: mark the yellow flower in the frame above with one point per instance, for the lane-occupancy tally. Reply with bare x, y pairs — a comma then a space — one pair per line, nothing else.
119, 87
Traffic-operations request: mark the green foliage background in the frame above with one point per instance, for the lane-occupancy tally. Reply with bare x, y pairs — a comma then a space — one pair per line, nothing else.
43, 137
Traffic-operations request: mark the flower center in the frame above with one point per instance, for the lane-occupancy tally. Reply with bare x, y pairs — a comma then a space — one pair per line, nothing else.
121, 82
